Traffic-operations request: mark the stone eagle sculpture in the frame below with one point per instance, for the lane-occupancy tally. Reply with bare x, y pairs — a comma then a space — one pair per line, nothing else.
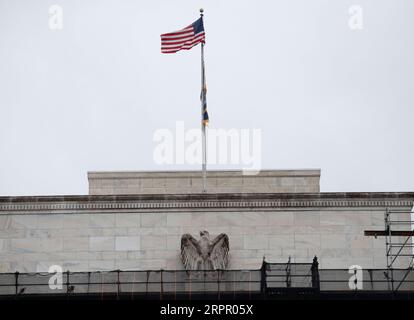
204, 254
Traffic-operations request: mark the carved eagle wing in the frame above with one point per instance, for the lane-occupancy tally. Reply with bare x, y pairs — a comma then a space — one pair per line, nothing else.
190, 252
219, 251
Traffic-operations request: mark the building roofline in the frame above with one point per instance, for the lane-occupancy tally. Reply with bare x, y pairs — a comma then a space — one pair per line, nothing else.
212, 196
196, 173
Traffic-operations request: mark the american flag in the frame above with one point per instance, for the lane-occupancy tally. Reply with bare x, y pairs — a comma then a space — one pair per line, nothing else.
183, 39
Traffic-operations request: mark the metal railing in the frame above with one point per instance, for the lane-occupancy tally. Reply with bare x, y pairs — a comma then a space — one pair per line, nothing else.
158, 282
271, 279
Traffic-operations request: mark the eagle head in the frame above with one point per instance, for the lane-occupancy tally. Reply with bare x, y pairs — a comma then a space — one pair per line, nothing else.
204, 234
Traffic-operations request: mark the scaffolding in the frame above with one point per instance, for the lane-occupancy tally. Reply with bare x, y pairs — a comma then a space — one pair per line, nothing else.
399, 245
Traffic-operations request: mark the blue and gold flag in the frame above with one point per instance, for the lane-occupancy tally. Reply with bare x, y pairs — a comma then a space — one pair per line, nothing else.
204, 104
203, 97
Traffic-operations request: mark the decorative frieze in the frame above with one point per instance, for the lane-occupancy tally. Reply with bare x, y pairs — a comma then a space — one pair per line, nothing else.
88, 204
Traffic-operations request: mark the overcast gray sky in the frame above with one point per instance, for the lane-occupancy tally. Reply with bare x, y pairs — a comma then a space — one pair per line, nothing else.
91, 96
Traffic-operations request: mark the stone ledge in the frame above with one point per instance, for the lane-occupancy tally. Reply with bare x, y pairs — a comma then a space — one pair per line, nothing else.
390, 196
128, 203
197, 174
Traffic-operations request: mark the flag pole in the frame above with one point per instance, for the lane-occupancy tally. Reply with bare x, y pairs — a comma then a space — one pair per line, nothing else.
203, 125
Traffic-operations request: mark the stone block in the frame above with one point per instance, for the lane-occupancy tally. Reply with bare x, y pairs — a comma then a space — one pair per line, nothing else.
295, 253
359, 241
102, 220
124, 231
338, 253
236, 263
380, 262
273, 255
305, 241
75, 255
114, 255
76, 244
126, 265
38, 256
153, 242
50, 221
334, 241
159, 254
343, 217
307, 218
256, 218
36, 245
256, 242
280, 218
284, 241
181, 219
45, 266
5, 222
174, 264
153, 219
211, 219
377, 218
23, 266
101, 243
154, 264
76, 266
5, 267
277, 230
305, 229
128, 220
335, 263
379, 243
127, 243
227, 182
236, 242
21, 221
174, 242
71, 221
102, 265
51, 245
197, 219
39, 233
242, 253
11, 257
233, 219
135, 255
254, 263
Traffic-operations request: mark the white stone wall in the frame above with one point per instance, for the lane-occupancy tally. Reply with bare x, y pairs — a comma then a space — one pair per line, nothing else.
31, 242
189, 182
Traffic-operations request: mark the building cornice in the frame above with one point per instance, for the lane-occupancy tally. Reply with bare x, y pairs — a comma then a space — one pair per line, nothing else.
234, 201
196, 174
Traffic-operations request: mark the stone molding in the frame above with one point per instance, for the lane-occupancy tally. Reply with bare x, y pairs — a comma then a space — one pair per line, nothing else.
196, 174
54, 204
